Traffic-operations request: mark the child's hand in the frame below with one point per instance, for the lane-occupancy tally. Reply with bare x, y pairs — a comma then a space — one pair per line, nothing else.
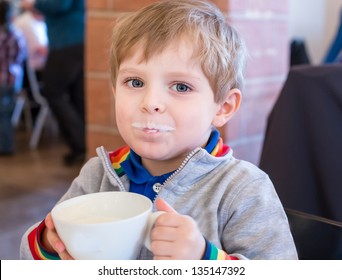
175, 236
51, 240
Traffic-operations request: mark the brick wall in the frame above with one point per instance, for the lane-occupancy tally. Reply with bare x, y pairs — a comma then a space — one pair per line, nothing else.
263, 24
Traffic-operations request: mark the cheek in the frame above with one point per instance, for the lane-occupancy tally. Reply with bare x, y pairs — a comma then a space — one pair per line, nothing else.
202, 113
121, 114
125, 111
122, 104
121, 123
122, 117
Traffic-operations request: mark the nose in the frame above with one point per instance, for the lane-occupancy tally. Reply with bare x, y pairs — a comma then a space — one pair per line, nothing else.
152, 101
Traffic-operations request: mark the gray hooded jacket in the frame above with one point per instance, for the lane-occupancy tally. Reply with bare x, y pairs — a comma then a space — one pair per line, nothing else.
233, 202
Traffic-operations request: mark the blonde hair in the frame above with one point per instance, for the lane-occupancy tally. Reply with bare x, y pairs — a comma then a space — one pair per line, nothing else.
217, 45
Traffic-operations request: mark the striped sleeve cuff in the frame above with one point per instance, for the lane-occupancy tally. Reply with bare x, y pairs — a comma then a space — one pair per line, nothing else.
37, 250
213, 253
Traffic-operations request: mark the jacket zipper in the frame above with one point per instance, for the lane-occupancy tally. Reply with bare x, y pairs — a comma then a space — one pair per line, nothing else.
110, 169
185, 161
160, 186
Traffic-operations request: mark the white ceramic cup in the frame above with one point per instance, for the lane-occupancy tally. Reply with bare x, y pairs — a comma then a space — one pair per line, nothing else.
105, 225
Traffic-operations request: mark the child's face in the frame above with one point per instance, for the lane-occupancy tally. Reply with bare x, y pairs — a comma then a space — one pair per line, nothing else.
164, 106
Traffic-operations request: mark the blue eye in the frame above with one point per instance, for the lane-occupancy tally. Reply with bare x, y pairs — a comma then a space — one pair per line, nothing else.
135, 83
180, 87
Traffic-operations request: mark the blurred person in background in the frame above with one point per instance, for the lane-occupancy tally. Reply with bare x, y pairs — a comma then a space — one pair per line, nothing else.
12, 55
31, 23
63, 76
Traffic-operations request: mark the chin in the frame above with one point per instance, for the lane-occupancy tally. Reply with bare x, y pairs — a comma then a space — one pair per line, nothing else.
152, 152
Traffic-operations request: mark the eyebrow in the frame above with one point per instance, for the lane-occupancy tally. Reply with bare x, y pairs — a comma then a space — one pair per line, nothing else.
127, 70
182, 74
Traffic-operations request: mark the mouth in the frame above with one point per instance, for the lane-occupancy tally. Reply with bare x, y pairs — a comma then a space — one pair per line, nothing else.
152, 127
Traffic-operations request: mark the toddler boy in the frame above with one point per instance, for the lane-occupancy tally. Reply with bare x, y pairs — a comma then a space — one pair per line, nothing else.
177, 71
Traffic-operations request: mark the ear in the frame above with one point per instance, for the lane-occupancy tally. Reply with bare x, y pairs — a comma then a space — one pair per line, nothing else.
228, 108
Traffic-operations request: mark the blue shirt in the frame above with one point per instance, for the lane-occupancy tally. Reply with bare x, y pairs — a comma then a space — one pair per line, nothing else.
142, 182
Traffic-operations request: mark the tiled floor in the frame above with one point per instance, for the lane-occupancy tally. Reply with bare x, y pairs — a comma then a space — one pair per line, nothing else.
30, 184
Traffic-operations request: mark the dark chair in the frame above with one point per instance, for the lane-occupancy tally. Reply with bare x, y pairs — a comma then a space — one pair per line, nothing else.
39, 102
316, 238
44, 110
302, 151
298, 53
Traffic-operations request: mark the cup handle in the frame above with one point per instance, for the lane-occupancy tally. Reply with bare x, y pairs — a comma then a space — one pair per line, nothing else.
150, 223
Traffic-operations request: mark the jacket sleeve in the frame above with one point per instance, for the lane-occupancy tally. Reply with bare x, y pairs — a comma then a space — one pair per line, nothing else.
214, 253
35, 245
257, 226
91, 179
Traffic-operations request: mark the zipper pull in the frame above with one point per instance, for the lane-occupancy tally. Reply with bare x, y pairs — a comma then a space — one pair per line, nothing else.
157, 187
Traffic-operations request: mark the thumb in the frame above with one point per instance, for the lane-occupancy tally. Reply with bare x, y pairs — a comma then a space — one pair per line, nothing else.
162, 205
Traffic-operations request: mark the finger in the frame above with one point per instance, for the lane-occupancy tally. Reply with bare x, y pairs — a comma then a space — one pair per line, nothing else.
162, 233
49, 222
162, 205
58, 245
172, 220
53, 238
162, 248
65, 256
55, 241
52, 235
